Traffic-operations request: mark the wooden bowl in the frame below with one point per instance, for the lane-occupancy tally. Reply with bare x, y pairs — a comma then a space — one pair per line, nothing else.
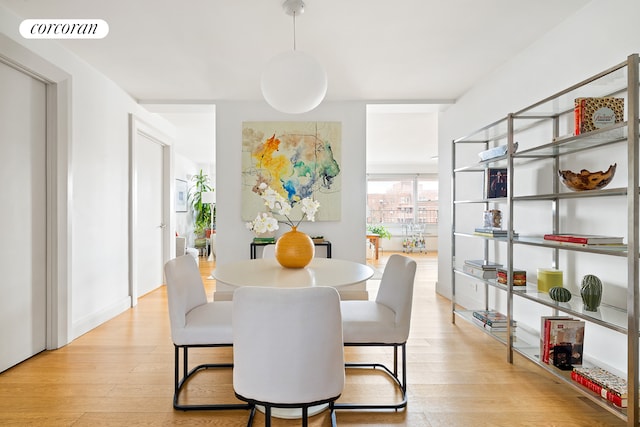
586, 180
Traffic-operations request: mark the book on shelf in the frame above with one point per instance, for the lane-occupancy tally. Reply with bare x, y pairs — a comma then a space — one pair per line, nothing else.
264, 240
479, 272
482, 264
562, 341
584, 239
492, 232
595, 113
496, 183
492, 318
519, 277
495, 152
544, 335
609, 386
498, 327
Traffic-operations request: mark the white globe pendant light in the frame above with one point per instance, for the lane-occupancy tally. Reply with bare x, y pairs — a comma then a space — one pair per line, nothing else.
294, 82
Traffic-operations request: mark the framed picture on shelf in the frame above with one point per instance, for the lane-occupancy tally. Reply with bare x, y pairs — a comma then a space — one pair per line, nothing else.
181, 195
496, 185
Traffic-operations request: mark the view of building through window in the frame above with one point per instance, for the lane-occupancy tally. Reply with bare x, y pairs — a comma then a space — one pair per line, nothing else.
398, 200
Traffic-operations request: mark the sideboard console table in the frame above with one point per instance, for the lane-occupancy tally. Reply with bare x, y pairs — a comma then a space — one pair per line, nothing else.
254, 247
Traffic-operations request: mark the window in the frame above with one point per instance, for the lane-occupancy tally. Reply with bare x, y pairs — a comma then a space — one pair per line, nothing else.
402, 199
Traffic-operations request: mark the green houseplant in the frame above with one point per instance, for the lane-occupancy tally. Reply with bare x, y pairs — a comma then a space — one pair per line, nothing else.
380, 230
201, 211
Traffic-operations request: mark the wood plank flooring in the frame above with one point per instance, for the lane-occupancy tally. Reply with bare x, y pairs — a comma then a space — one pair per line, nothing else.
121, 374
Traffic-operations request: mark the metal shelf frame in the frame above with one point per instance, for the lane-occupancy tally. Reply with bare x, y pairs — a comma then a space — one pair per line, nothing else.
622, 79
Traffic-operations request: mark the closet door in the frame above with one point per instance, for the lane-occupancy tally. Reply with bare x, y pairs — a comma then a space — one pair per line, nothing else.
23, 216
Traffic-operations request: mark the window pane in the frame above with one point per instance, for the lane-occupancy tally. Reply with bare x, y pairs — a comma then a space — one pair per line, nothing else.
392, 201
427, 201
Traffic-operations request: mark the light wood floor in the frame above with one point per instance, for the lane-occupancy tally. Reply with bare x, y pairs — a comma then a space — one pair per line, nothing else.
121, 374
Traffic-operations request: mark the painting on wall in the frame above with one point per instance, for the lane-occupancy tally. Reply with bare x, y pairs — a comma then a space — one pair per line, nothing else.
296, 159
181, 195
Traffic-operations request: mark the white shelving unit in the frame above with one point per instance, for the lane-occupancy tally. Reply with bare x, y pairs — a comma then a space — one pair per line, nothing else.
546, 144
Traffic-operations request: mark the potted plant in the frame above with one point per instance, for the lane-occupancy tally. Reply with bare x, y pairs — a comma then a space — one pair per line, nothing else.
380, 230
201, 211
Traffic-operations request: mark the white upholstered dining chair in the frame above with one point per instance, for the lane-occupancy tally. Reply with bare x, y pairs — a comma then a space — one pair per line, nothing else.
287, 348
269, 251
384, 322
195, 322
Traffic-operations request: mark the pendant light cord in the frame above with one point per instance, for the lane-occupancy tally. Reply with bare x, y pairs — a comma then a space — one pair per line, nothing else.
294, 31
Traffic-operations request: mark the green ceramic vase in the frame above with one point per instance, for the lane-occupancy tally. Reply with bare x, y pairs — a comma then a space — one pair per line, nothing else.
591, 292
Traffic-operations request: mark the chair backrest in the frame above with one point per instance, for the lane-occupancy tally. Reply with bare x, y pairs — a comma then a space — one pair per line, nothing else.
269, 251
185, 289
396, 290
287, 344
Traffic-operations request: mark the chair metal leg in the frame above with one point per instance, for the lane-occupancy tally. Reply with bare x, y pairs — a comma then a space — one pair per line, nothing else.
332, 412
251, 415
305, 416
267, 416
401, 384
186, 375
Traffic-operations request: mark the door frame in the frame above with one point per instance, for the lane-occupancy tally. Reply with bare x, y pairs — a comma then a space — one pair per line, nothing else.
58, 185
137, 128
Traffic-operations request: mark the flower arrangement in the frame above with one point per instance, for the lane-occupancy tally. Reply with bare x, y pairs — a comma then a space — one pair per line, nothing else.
265, 223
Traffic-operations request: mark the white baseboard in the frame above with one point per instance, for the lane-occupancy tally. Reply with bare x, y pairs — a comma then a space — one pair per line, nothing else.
93, 320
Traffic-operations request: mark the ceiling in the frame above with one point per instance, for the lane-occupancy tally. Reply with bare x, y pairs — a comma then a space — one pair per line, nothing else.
202, 51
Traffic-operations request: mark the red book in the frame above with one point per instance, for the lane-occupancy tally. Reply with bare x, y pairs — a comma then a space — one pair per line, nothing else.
584, 239
577, 116
612, 397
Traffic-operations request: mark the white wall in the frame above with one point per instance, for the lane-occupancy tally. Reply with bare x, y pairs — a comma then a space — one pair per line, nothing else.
598, 36
346, 235
99, 277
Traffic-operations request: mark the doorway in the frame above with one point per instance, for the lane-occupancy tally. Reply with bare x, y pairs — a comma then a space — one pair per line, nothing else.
150, 214
23, 306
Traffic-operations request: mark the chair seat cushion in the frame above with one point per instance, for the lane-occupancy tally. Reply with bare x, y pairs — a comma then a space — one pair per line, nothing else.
206, 324
369, 322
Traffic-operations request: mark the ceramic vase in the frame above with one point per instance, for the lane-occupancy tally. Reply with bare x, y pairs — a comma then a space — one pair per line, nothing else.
294, 249
591, 292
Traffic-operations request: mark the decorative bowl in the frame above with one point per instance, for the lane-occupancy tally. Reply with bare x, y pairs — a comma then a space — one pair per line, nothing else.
586, 180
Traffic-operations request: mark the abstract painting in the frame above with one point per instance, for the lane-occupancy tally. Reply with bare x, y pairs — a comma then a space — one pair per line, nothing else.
296, 159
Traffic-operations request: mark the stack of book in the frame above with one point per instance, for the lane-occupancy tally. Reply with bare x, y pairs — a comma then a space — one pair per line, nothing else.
519, 277
584, 240
561, 341
604, 383
492, 232
492, 320
264, 240
481, 269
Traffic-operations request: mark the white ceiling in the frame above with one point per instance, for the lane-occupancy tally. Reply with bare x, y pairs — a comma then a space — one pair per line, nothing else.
426, 51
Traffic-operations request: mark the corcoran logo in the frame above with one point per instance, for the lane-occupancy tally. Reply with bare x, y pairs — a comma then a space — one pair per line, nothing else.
64, 29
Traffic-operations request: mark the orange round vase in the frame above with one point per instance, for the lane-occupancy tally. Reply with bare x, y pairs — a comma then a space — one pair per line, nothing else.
294, 249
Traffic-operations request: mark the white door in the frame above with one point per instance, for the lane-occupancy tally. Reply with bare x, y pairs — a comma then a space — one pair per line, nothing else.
149, 221
23, 216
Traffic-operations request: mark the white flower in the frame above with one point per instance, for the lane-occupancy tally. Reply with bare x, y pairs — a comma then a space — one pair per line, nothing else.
264, 223
280, 205
310, 207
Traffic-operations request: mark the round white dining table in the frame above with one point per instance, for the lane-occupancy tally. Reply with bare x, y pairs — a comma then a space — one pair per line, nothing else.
267, 272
